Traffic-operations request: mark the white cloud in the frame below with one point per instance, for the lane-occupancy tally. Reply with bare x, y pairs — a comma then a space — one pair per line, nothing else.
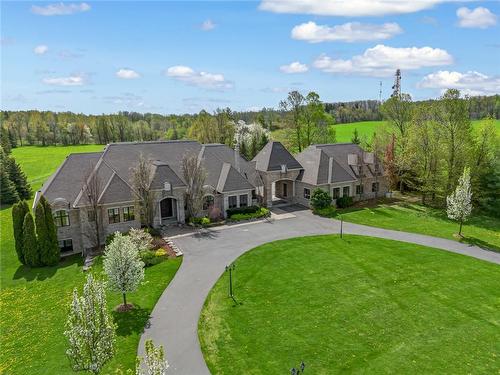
471, 83
382, 60
294, 67
41, 49
207, 25
347, 8
127, 74
72, 80
480, 18
59, 9
348, 32
201, 79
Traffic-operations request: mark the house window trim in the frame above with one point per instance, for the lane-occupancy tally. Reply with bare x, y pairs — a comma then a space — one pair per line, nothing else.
239, 200
228, 201
61, 247
377, 185
58, 218
349, 191
128, 214
361, 189
308, 194
333, 192
119, 216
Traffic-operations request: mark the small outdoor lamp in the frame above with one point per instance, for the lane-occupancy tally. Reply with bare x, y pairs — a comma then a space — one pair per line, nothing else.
302, 366
230, 268
293, 371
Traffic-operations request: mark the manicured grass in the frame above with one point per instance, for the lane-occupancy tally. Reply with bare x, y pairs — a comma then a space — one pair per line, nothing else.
357, 305
33, 302
480, 230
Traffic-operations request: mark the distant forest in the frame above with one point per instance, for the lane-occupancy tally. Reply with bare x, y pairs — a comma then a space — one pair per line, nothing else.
67, 128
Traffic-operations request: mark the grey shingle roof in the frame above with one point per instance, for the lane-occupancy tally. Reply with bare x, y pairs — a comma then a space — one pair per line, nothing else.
117, 190
316, 161
273, 156
67, 180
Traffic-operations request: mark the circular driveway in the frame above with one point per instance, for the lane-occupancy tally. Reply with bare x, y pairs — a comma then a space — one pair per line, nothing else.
174, 320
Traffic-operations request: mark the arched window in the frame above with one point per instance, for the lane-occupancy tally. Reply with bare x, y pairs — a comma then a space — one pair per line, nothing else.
208, 201
61, 218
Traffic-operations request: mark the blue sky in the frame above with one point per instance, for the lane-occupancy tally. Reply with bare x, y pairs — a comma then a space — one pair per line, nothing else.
177, 57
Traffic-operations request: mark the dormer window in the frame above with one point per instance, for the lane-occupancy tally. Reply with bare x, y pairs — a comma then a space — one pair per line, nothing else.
283, 168
167, 186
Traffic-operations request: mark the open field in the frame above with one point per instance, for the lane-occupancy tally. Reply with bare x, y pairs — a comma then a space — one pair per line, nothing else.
344, 132
33, 302
357, 305
480, 230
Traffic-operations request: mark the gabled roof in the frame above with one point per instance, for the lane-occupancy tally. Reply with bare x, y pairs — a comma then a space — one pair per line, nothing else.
273, 156
116, 190
162, 173
67, 180
328, 163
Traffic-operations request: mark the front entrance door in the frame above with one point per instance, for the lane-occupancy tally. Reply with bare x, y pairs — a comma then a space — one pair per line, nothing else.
166, 208
285, 189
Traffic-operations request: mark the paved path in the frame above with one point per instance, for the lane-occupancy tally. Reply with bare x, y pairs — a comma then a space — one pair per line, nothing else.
174, 320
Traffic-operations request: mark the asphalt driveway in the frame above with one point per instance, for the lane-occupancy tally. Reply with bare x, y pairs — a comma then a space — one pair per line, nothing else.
174, 320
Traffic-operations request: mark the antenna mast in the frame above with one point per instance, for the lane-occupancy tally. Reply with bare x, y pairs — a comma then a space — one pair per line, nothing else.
380, 93
396, 89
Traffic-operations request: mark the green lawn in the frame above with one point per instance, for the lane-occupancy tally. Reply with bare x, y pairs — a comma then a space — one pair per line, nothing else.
33, 302
358, 305
480, 230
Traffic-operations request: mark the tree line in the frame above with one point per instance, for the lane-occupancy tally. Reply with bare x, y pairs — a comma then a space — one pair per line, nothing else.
427, 145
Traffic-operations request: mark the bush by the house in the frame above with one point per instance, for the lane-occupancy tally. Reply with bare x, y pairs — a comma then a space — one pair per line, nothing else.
30, 244
242, 210
141, 239
203, 221
320, 199
152, 257
329, 211
261, 212
153, 231
344, 202
19, 211
109, 238
46, 231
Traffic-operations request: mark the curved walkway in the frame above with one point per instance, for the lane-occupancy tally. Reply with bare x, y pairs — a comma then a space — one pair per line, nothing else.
174, 320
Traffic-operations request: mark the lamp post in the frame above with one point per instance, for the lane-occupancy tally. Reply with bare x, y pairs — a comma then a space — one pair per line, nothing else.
298, 371
230, 268
341, 226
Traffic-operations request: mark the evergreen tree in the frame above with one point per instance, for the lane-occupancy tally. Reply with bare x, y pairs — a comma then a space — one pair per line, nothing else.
18, 177
4, 140
19, 211
355, 137
55, 253
8, 192
30, 244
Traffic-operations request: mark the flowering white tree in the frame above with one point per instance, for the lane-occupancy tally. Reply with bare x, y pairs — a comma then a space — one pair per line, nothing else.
123, 266
459, 203
89, 328
141, 239
154, 363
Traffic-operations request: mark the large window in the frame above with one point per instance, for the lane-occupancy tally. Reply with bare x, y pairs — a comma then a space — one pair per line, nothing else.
336, 193
346, 191
307, 193
359, 189
61, 218
243, 200
375, 187
232, 201
128, 213
66, 245
208, 201
114, 215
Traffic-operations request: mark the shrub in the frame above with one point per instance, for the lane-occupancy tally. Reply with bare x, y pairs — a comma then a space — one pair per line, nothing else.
344, 202
242, 210
329, 211
161, 252
203, 221
153, 231
320, 199
110, 238
149, 257
157, 243
47, 237
30, 244
262, 212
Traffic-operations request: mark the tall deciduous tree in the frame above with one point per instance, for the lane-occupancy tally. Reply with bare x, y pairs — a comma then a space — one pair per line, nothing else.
123, 266
459, 203
294, 105
19, 211
194, 175
154, 362
142, 176
31, 249
90, 330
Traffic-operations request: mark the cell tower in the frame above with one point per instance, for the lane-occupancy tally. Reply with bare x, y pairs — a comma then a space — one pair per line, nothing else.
396, 89
380, 93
